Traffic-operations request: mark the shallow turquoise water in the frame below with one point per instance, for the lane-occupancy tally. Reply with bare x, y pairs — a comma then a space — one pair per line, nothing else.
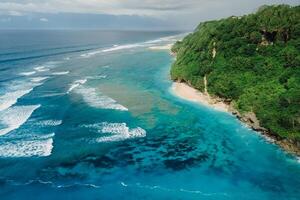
82, 118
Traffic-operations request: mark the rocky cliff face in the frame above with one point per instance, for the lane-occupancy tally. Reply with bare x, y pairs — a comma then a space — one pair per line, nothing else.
249, 118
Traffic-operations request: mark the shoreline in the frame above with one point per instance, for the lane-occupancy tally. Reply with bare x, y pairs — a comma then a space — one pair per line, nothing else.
187, 92
162, 47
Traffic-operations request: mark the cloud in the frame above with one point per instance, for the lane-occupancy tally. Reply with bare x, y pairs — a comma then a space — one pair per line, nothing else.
131, 7
11, 13
180, 13
160, 5
116, 7
44, 20
14, 13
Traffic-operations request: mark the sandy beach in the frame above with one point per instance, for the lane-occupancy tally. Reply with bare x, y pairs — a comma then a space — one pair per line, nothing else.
186, 92
163, 47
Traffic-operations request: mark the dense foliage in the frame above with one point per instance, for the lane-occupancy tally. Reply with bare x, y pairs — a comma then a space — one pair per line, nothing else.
252, 61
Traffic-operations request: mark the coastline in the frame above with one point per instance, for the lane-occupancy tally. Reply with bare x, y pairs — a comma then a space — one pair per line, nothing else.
162, 47
187, 92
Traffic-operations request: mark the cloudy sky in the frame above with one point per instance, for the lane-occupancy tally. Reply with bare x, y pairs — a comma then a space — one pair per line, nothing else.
122, 14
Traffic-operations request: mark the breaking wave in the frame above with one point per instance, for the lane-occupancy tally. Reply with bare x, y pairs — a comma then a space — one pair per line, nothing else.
118, 131
53, 94
97, 77
49, 123
121, 47
76, 84
114, 48
13, 117
27, 73
61, 73
38, 79
94, 99
10, 98
41, 69
17, 89
27, 148
130, 46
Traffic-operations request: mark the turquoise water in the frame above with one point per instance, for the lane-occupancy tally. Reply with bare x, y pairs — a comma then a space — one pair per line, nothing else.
90, 115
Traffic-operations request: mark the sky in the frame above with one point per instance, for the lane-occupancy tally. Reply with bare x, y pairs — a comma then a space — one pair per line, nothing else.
122, 14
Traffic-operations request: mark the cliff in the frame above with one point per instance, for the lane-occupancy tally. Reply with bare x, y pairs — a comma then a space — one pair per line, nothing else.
252, 63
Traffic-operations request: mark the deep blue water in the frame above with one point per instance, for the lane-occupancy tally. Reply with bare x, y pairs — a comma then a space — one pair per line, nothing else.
90, 115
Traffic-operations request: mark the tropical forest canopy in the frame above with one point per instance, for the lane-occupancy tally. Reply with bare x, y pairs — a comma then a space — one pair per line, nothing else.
252, 61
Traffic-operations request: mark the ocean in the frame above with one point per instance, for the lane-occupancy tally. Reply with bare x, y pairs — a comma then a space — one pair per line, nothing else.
91, 115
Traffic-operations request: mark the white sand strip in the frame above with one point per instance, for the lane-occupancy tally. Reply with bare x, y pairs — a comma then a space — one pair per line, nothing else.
186, 92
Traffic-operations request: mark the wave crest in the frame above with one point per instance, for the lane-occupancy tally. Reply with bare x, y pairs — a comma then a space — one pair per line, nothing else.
91, 97
76, 84
10, 98
119, 131
13, 117
27, 73
41, 69
29, 148
61, 73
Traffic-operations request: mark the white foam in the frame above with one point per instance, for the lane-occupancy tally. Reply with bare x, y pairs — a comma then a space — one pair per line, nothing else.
120, 132
53, 94
42, 136
38, 79
49, 123
75, 84
97, 77
28, 73
15, 90
61, 73
82, 81
130, 46
11, 98
13, 117
114, 48
153, 41
21, 148
121, 47
41, 69
123, 184
163, 39
161, 47
97, 100
79, 184
87, 55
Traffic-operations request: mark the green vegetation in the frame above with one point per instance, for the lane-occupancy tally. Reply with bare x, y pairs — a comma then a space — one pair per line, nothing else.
252, 61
